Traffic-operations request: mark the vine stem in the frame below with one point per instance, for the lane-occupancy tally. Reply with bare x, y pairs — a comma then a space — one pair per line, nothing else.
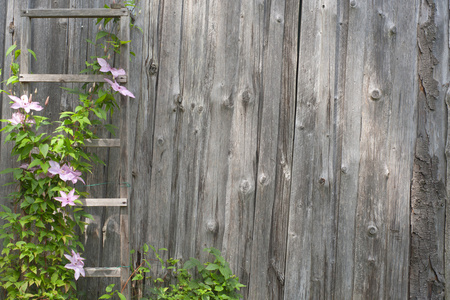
131, 276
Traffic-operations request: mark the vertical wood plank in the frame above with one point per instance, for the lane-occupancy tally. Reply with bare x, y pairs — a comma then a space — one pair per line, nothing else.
124, 162
310, 248
386, 151
269, 141
279, 227
238, 92
428, 186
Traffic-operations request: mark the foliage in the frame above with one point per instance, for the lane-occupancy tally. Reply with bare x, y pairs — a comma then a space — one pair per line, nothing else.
211, 280
41, 228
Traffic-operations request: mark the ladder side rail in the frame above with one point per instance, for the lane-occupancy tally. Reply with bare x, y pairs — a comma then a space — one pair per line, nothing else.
124, 168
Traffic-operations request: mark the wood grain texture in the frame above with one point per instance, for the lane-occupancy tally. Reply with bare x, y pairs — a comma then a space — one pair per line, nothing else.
304, 139
311, 222
102, 272
74, 13
62, 78
104, 202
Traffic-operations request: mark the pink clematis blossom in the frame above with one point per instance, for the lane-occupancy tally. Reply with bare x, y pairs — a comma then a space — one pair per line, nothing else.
18, 118
67, 199
66, 172
70, 174
25, 103
121, 89
76, 264
105, 67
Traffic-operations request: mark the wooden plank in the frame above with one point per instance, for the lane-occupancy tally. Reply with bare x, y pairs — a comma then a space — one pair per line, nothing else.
428, 191
103, 272
64, 78
102, 143
74, 13
25, 57
104, 201
387, 138
311, 234
125, 174
261, 286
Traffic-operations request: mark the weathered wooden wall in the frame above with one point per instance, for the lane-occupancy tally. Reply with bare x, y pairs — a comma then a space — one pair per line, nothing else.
305, 139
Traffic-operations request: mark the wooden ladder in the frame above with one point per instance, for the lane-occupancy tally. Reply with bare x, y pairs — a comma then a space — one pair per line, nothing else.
25, 78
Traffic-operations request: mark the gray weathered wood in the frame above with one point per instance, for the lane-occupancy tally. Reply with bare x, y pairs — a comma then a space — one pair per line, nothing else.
74, 13
303, 139
104, 201
103, 143
125, 174
62, 78
103, 272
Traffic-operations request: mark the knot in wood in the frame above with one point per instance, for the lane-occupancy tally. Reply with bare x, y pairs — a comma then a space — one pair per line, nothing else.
372, 230
212, 226
245, 186
153, 68
11, 27
344, 170
375, 94
246, 97
228, 102
160, 140
353, 3
392, 30
322, 181
263, 179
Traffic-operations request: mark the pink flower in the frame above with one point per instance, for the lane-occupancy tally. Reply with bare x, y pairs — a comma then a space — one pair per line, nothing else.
24, 103
76, 264
121, 89
66, 172
105, 67
18, 118
67, 199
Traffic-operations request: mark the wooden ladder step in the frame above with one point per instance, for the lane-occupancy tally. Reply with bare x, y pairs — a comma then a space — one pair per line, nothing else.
104, 202
102, 272
69, 78
74, 13
101, 143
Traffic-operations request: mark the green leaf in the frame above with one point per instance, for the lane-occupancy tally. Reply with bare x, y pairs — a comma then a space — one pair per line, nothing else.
124, 42
12, 79
16, 54
8, 170
32, 53
105, 296
121, 296
36, 162
10, 49
212, 267
109, 288
54, 277
101, 34
5, 208
44, 149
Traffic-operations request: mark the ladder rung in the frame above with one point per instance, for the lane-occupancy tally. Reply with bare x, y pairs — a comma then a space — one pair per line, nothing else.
104, 201
68, 78
113, 143
102, 272
74, 13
